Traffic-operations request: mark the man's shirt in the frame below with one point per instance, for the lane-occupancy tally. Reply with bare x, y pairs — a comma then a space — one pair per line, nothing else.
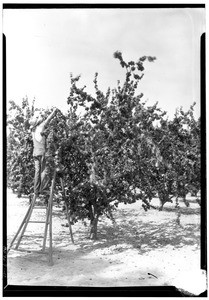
39, 140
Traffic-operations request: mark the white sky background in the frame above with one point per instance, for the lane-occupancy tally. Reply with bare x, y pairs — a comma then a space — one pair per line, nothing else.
45, 45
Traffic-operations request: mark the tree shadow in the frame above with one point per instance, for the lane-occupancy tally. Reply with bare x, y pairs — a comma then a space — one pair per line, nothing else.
134, 230
145, 236
184, 210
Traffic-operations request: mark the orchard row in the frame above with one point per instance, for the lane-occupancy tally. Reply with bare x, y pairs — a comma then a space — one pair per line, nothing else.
109, 148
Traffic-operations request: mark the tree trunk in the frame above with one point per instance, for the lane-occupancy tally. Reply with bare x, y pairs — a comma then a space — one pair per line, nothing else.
93, 228
161, 206
164, 197
198, 201
92, 206
93, 221
178, 212
19, 189
186, 202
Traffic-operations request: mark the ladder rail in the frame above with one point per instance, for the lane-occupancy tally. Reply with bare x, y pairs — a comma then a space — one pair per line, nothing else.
50, 219
48, 222
26, 222
13, 240
45, 230
67, 210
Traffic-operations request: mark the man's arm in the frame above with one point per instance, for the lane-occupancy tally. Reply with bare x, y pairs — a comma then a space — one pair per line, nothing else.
45, 123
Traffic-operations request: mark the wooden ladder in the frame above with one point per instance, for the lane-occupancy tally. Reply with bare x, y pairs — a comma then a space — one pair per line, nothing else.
48, 223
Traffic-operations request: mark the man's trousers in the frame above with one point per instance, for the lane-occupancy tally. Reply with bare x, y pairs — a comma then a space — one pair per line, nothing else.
43, 174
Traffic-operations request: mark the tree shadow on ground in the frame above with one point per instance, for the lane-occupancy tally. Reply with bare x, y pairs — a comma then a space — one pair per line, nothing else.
184, 210
147, 236
137, 229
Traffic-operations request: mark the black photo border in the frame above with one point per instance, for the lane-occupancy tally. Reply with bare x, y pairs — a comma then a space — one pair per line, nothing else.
141, 291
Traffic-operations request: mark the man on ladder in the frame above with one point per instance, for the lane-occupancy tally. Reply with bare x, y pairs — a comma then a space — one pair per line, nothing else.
42, 170
44, 175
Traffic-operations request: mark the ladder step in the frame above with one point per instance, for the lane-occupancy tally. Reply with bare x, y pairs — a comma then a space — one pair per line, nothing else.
38, 222
40, 207
33, 236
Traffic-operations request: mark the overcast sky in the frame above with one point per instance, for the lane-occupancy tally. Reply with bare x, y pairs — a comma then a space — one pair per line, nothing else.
45, 45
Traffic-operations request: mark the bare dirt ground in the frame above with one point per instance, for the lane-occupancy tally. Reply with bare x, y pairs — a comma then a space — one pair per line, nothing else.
141, 249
